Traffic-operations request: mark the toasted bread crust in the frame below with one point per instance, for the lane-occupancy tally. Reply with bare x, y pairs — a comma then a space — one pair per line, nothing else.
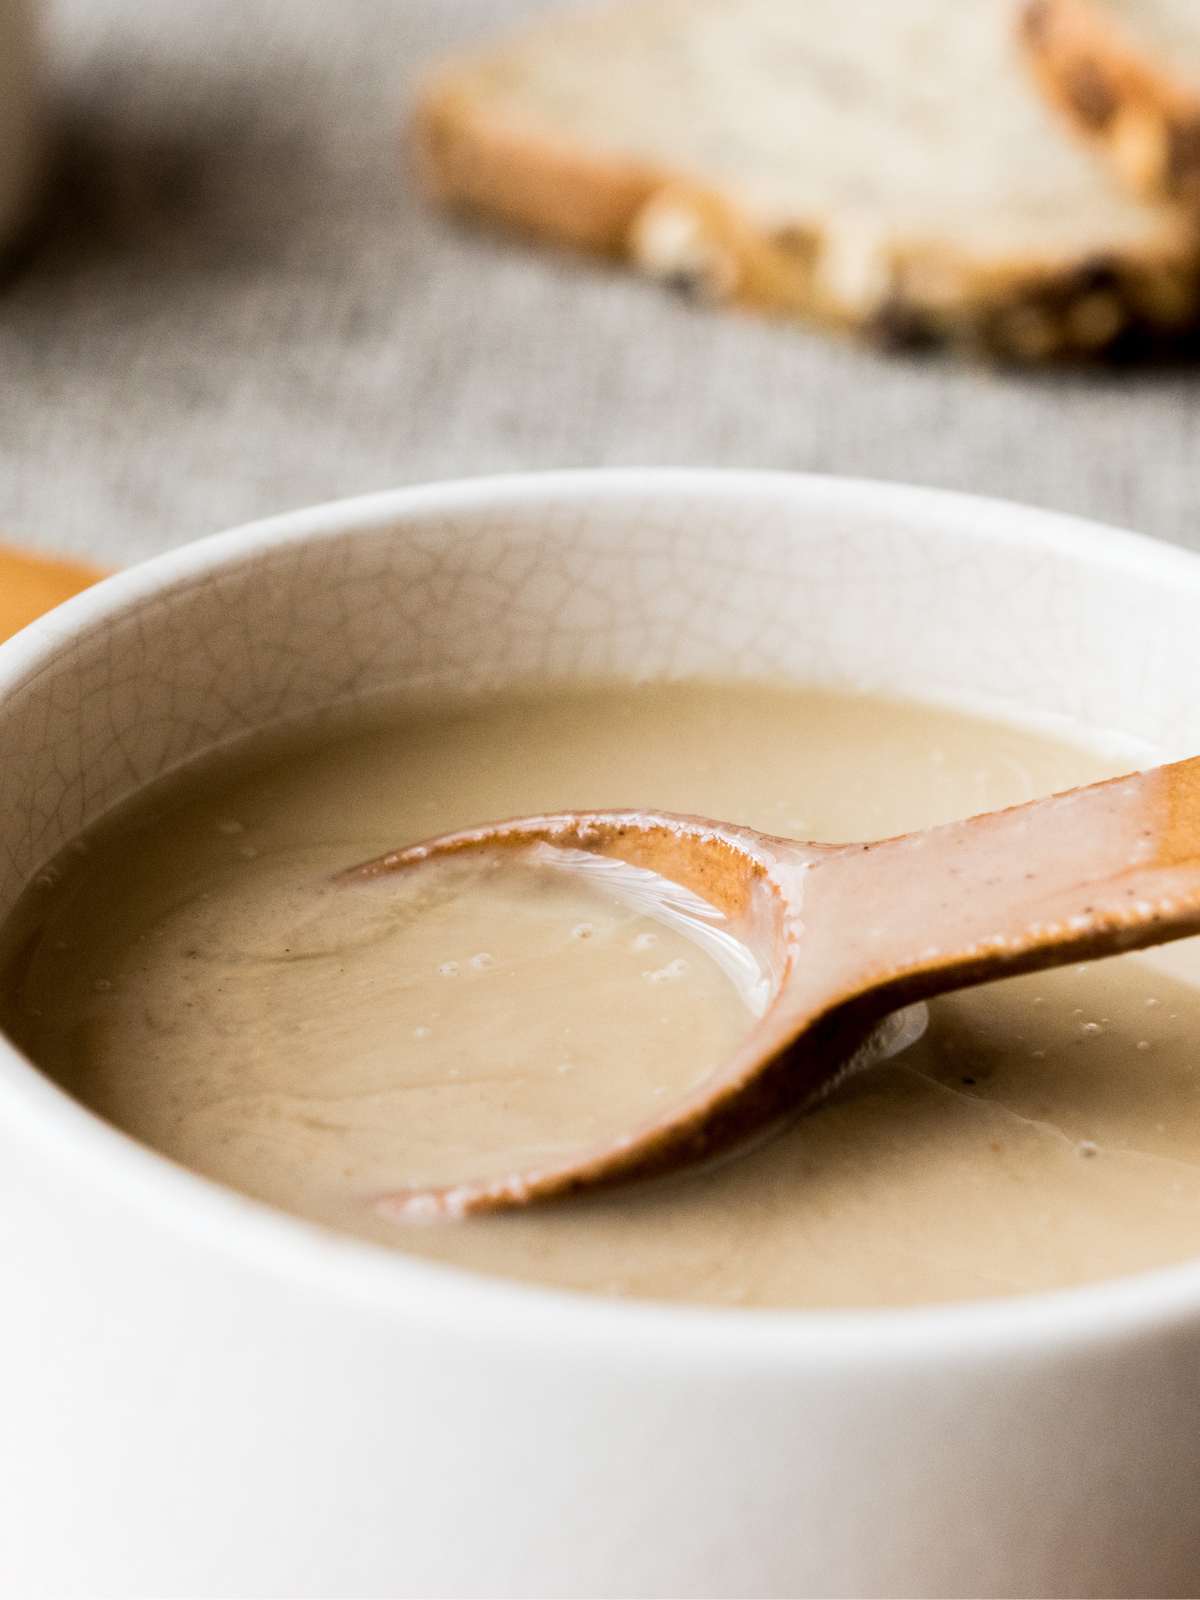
467, 157
700, 241
1143, 118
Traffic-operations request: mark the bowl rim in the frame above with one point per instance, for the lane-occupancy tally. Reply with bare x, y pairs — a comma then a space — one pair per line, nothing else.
444, 1299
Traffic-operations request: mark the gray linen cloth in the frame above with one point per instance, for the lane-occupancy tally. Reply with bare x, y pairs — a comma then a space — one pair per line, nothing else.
241, 305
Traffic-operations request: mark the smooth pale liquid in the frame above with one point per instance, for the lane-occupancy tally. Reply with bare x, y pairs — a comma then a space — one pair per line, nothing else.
193, 976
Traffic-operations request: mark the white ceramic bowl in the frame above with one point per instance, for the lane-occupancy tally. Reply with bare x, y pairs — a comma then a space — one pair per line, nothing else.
201, 1396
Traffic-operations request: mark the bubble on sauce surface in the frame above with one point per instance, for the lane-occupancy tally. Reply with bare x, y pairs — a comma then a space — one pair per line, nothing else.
670, 973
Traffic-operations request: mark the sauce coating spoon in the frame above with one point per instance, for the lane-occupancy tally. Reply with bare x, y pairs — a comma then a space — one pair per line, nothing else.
849, 934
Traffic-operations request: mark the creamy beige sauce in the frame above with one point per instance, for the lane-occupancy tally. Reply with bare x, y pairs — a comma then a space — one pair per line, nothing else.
193, 974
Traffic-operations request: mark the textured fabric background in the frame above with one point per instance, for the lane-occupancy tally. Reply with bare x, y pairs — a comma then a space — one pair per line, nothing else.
239, 305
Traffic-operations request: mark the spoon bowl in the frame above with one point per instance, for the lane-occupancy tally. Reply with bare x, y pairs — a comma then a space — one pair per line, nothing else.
847, 935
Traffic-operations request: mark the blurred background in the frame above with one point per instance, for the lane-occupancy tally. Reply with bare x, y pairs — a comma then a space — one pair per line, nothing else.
237, 303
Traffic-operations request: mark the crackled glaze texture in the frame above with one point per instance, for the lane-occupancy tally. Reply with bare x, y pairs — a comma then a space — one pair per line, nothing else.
548, 584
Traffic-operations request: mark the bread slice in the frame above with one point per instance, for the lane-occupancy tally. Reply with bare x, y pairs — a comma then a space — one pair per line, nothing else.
1127, 73
877, 164
31, 584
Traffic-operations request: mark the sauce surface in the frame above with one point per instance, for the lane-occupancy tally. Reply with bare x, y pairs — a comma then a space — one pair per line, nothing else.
192, 974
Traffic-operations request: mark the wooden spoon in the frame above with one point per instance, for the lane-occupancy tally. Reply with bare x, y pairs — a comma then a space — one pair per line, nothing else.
851, 933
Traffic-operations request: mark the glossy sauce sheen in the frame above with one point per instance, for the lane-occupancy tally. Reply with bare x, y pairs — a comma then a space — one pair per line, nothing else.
195, 976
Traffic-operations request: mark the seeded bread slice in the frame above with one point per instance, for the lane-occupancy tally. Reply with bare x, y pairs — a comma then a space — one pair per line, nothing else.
877, 164
1127, 74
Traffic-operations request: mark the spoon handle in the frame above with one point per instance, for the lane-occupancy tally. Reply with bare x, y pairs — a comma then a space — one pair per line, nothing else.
1094, 871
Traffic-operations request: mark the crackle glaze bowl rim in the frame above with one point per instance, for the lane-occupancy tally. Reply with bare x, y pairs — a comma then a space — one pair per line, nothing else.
644, 1333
